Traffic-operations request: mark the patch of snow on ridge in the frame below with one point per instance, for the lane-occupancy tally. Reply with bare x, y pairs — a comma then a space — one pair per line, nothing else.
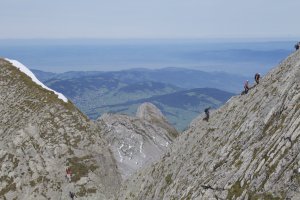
25, 70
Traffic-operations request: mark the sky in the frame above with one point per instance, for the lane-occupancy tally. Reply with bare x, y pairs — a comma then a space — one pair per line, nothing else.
124, 19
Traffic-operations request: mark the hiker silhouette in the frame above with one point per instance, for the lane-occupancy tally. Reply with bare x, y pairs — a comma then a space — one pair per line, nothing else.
206, 110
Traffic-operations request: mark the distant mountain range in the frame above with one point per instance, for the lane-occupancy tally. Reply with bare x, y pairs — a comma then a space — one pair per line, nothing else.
240, 57
183, 78
172, 90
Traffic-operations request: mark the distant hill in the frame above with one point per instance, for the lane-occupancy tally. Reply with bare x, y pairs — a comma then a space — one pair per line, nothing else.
185, 78
180, 77
91, 92
43, 76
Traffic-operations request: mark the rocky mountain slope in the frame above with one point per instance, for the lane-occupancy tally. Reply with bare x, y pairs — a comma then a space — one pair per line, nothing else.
136, 142
249, 149
41, 136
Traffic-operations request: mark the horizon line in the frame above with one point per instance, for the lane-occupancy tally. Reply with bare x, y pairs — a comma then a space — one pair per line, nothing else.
141, 69
284, 38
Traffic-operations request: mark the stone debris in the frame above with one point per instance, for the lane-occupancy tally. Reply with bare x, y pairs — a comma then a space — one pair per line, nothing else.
137, 141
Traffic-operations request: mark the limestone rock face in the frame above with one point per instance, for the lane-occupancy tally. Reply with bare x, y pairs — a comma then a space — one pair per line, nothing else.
249, 149
138, 141
41, 136
148, 111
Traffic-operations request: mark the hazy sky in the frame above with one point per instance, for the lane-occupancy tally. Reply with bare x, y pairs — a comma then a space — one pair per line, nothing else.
149, 19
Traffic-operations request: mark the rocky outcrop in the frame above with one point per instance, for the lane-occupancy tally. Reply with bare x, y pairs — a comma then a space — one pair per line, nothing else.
138, 141
41, 135
249, 149
150, 113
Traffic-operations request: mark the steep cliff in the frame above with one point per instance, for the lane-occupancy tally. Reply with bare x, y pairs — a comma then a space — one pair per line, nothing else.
249, 149
136, 142
42, 135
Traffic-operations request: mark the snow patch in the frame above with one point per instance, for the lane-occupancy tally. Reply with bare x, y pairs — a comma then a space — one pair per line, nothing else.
120, 152
141, 149
25, 70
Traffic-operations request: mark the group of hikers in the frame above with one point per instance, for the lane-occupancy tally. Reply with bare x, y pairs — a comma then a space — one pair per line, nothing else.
246, 89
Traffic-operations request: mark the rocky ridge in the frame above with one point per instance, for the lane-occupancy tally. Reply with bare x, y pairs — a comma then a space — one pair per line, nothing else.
249, 149
149, 112
41, 136
136, 142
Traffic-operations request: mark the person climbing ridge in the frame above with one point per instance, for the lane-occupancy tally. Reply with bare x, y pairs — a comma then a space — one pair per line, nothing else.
206, 110
69, 174
297, 46
72, 195
257, 77
246, 87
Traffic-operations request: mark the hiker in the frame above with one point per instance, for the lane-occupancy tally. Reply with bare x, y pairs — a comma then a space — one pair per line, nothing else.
69, 174
207, 114
72, 195
246, 87
297, 46
257, 77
